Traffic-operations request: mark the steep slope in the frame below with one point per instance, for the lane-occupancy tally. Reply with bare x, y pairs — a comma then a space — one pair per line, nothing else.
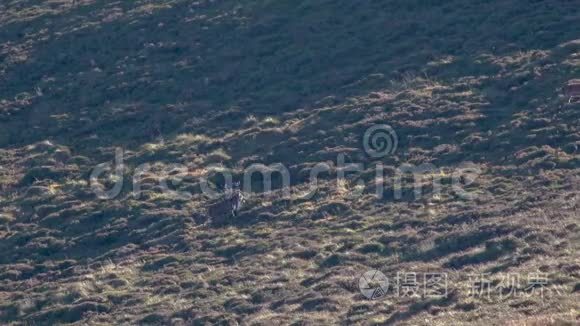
298, 83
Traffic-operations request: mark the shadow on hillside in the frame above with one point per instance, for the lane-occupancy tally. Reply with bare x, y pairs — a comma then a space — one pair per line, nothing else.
126, 73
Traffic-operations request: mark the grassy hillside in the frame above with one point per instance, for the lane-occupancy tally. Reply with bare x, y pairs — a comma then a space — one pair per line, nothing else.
293, 82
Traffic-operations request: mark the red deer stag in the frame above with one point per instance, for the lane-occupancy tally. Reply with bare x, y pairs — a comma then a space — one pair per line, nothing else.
228, 206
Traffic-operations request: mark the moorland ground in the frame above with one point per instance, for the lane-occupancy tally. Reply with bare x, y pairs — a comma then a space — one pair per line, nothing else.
298, 83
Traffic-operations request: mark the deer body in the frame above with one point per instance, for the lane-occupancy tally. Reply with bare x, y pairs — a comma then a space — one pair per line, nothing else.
227, 207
